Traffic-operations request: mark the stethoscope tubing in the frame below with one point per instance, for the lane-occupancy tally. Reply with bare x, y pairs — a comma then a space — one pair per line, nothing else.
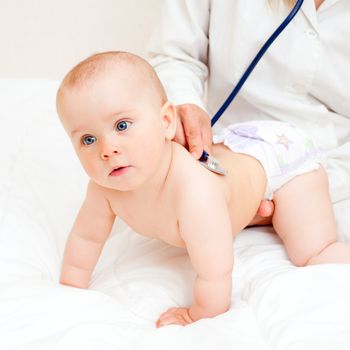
255, 61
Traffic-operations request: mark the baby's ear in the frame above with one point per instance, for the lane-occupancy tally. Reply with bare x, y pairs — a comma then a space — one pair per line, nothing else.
168, 115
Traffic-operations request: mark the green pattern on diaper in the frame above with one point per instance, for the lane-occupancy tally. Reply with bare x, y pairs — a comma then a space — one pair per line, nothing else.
308, 143
281, 160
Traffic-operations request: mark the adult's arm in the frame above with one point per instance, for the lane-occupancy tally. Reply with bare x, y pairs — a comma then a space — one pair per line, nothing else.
178, 49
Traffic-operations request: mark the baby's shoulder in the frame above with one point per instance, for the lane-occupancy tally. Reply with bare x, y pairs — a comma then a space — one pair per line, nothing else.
98, 193
96, 201
186, 170
191, 180
95, 190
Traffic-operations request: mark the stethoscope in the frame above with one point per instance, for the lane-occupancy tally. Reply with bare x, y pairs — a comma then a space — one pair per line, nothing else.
208, 161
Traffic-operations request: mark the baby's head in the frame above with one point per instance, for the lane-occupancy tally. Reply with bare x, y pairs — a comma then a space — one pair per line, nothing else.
114, 108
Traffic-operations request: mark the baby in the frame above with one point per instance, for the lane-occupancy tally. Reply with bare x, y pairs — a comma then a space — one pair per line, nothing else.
114, 108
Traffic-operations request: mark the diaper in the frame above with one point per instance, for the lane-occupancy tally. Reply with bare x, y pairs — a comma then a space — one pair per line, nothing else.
284, 150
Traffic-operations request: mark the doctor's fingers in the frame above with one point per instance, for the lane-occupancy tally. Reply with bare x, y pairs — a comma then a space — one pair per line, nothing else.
180, 134
207, 135
198, 135
196, 127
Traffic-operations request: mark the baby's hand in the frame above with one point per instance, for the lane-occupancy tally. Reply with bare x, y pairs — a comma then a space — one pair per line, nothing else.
175, 315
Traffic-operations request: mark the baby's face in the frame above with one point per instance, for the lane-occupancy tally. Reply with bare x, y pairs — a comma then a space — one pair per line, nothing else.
117, 128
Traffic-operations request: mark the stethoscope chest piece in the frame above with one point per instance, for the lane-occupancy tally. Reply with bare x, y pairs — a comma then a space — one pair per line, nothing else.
212, 164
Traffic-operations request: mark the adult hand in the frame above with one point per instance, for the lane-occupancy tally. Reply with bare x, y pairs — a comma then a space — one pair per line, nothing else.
193, 129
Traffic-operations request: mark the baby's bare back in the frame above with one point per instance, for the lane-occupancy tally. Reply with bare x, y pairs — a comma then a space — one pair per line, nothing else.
246, 182
156, 213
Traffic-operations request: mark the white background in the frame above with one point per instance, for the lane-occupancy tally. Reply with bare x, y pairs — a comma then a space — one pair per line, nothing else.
45, 38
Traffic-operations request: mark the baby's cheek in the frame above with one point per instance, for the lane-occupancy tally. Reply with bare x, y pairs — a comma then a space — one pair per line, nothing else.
89, 167
152, 154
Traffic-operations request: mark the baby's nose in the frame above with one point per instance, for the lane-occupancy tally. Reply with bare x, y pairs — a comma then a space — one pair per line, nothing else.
108, 150
106, 155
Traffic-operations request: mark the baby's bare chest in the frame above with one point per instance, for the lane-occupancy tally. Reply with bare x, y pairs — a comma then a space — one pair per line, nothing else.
156, 219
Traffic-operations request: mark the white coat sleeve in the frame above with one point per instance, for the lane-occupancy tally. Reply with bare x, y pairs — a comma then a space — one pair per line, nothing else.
178, 49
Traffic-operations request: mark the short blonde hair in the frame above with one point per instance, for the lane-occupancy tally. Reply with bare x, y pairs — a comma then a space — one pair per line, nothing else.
92, 66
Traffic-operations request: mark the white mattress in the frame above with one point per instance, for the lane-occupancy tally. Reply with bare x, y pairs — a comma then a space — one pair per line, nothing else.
275, 305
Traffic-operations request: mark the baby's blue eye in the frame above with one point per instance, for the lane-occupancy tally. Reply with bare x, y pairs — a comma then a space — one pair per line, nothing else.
122, 125
88, 140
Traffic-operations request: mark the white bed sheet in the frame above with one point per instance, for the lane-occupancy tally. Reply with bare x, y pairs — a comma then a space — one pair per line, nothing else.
275, 305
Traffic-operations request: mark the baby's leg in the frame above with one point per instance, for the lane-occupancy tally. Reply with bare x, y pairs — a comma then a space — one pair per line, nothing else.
305, 222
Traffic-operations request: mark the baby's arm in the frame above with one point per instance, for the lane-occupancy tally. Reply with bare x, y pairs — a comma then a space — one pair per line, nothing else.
86, 239
206, 229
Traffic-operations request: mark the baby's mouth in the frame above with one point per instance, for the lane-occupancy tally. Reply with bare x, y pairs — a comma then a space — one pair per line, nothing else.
119, 171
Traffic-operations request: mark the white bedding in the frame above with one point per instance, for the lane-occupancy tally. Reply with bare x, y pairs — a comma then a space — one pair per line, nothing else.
275, 305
